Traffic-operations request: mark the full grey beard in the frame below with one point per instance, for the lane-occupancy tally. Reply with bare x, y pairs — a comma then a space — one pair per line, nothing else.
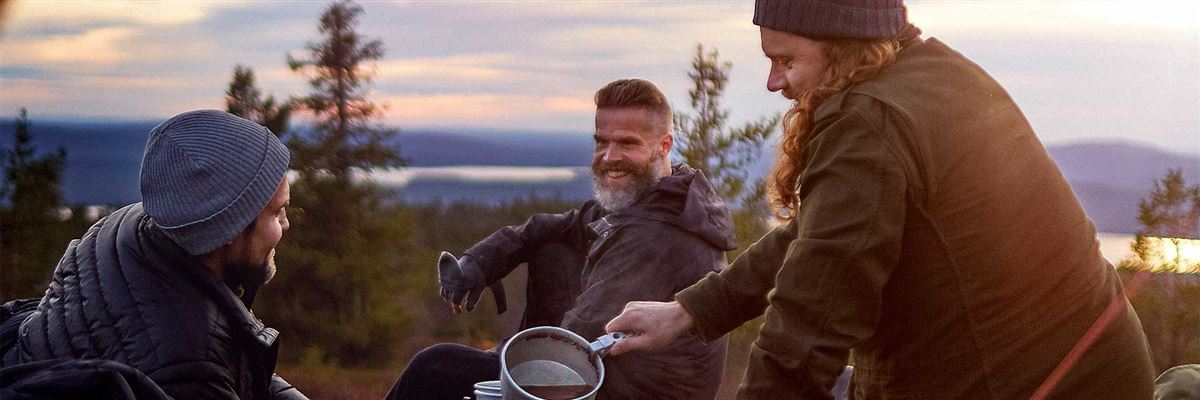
642, 181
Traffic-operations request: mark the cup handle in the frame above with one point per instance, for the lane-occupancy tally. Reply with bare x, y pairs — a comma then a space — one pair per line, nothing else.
603, 343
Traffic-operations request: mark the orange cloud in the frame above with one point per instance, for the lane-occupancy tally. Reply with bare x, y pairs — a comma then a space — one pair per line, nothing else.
25, 14
96, 46
487, 67
25, 93
474, 109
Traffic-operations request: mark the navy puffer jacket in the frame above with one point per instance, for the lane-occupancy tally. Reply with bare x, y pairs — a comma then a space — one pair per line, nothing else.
125, 292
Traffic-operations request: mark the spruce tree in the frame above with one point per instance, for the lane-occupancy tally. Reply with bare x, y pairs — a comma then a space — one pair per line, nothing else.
1169, 304
704, 140
30, 219
339, 291
1172, 213
244, 100
347, 134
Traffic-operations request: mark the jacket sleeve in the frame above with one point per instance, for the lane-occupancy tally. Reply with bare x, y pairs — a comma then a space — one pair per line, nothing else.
723, 301
504, 250
281, 390
844, 246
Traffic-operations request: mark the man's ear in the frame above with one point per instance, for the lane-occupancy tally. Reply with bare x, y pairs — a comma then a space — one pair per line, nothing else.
239, 242
667, 142
215, 260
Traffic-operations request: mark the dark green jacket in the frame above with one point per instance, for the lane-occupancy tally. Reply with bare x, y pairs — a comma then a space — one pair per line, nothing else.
938, 240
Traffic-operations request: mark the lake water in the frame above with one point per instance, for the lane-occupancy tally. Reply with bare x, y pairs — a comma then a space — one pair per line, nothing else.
1119, 246
483, 184
1115, 246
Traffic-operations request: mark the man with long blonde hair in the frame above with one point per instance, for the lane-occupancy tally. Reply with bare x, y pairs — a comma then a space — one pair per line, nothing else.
927, 231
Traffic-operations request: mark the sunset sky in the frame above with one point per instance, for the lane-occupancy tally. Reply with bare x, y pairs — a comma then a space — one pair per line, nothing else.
1081, 70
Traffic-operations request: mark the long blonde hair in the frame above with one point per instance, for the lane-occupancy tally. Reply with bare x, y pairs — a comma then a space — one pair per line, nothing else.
850, 61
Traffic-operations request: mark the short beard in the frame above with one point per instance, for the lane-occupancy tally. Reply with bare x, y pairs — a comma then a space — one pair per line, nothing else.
641, 181
268, 272
249, 275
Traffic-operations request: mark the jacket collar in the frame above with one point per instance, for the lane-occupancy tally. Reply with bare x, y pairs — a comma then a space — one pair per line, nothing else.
684, 199
189, 268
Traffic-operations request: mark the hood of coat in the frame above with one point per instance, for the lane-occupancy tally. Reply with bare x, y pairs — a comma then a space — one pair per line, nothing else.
686, 200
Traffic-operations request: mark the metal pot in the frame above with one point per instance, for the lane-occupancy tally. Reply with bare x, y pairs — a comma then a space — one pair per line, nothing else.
553, 363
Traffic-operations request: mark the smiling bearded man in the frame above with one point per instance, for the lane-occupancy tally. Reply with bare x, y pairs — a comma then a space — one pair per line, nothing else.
620, 182
613, 195
652, 229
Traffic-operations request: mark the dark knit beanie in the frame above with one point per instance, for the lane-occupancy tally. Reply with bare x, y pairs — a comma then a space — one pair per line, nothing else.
863, 19
207, 174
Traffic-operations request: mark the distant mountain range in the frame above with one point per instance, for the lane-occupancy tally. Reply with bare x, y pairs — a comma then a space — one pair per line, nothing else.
103, 159
1111, 178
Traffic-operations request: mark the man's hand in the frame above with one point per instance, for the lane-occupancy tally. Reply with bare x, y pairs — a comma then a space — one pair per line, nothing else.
653, 324
462, 281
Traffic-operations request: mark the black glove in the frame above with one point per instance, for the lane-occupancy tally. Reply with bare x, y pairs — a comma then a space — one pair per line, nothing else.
463, 278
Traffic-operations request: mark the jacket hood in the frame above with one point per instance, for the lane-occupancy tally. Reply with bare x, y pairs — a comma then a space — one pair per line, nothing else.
686, 200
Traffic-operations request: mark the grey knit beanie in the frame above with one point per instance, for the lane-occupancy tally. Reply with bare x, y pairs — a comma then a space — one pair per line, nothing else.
863, 19
207, 174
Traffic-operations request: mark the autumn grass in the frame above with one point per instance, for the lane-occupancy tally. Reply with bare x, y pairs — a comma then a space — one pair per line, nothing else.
327, 382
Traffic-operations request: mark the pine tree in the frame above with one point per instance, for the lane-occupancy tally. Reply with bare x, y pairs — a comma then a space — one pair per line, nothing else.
339, 291
31, 197
704, 141
1169, 305
346, 135
244, 100
1171, 212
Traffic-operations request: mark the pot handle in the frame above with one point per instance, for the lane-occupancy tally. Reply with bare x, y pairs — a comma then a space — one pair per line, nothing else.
603, 343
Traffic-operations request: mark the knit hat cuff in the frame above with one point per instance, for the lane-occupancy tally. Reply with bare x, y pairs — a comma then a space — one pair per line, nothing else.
205, 235
864, 19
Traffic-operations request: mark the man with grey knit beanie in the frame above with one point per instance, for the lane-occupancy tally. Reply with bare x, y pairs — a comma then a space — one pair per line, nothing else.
926, 230
165, 285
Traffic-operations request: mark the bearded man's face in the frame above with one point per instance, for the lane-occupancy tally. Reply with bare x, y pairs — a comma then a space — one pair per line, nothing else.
251, 260
628, 160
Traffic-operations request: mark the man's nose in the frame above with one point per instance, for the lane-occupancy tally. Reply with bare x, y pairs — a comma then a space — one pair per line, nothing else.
775, 79
611, 154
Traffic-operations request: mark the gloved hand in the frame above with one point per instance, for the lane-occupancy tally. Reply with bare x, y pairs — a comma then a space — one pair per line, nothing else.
463, 282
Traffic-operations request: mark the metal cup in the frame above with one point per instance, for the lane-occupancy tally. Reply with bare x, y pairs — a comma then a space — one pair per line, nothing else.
551, 356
